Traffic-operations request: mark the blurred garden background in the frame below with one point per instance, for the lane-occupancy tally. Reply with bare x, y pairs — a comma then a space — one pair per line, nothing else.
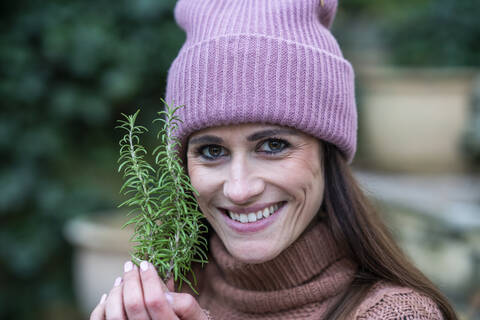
70, 68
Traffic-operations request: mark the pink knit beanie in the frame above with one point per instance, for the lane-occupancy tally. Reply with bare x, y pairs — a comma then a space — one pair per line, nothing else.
264, 61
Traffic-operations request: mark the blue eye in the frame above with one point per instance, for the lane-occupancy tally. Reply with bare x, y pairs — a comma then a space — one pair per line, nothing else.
212, 152
272, 146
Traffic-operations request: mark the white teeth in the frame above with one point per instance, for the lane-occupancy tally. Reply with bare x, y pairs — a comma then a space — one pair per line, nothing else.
266, 213
252, 216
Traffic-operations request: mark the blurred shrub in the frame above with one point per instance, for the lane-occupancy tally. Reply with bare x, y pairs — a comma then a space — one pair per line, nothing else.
442, 33
422, 32
68, 69
378, 9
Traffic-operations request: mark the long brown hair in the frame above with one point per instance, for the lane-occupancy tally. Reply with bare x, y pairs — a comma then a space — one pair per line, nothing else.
355, 224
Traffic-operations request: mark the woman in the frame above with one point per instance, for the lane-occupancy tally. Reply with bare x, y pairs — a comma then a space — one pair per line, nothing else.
269, 129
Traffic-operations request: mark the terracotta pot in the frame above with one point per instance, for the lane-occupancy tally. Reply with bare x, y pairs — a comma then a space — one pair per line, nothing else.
413, 119
100, 249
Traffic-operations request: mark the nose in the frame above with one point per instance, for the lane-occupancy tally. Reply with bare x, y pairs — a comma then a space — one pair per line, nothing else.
243, 183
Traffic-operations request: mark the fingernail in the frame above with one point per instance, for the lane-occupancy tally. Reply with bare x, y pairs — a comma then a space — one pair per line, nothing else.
128, 266
117, 281
103, 298
144, 265
169, 297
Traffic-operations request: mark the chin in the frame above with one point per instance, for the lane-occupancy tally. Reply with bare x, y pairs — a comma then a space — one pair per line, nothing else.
247, 255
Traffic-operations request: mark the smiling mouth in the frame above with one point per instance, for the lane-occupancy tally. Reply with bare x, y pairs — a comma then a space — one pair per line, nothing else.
254, 216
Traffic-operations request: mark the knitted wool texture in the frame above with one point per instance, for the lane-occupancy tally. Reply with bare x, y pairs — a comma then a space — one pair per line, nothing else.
303, 282
272, 62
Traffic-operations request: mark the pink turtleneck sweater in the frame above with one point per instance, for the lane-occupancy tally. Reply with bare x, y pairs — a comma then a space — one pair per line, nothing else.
303, 282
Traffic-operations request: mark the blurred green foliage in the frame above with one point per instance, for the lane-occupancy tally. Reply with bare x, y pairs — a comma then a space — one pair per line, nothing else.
377, 9
69, 68
422, 32
441, 33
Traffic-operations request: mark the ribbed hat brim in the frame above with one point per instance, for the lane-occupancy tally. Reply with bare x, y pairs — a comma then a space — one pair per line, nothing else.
258, 79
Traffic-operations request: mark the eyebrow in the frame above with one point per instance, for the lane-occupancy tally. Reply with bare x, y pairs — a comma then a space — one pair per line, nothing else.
207, 139
210, 139
271, 132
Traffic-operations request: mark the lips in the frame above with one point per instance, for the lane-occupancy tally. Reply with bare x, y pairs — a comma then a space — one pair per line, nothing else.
249, 217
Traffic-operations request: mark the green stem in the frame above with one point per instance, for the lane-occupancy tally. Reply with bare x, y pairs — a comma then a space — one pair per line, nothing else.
139, 176
171, 161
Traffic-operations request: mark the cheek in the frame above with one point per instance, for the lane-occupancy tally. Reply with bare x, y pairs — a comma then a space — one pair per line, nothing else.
313, 180
204, 180
301, 172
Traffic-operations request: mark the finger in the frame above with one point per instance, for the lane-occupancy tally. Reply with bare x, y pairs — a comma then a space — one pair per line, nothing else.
171, 285
114, 304
133, 293
186, 306
154, 293
99, 312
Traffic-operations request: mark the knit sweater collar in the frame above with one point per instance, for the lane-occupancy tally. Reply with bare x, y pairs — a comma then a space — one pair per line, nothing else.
312, 269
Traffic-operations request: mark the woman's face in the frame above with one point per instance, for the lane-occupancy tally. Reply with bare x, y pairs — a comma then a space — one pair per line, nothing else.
258, 185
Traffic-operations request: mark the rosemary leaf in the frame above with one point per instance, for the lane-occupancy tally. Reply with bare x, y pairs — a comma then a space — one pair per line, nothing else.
167, 221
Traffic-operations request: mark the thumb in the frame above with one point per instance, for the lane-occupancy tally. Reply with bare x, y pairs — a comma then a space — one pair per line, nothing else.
186, 306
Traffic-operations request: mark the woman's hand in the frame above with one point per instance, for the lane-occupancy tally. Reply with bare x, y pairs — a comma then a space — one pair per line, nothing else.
142, 295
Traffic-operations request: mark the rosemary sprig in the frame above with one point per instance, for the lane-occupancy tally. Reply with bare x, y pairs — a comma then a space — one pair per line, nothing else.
167, 232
